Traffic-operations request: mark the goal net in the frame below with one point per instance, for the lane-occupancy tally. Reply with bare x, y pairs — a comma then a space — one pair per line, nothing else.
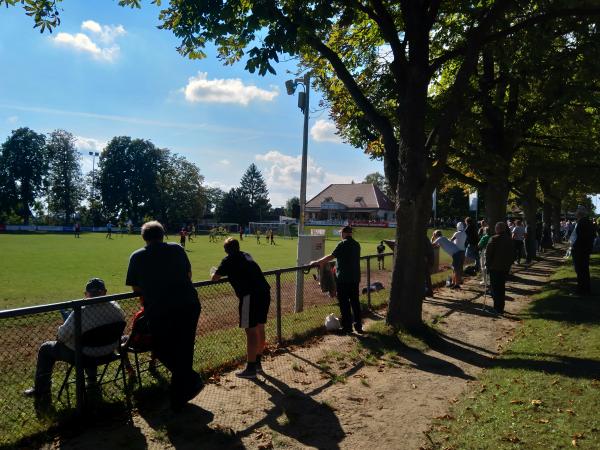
278, 228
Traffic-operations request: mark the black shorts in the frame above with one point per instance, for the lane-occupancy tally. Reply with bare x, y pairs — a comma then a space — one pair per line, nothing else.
254, 309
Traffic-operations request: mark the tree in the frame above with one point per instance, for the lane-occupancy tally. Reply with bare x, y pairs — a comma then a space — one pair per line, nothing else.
214, 196
234, 208
65, 181
379, 64
292, 207
181, 197
379, 180
254, 188
128, 178
24, 161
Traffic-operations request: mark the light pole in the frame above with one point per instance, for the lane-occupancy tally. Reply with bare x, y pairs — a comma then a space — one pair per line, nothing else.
303, 104
93, 155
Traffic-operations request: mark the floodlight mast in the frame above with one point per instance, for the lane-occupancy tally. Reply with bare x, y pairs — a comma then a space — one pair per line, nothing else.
303, 103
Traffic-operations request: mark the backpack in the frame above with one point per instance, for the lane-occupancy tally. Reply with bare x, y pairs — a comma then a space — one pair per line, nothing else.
140, 338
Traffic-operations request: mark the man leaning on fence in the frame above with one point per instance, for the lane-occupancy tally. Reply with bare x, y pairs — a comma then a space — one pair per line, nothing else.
347, 255
162, 274
63, 348
254, 293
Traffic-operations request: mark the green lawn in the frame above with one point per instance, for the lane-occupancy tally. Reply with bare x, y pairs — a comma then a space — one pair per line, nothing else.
543, 392
45, 268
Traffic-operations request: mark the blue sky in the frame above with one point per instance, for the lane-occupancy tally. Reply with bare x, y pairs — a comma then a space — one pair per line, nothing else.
108, 71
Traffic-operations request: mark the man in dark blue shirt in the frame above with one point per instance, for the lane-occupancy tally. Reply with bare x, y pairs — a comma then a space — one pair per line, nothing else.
347, 255
161, 273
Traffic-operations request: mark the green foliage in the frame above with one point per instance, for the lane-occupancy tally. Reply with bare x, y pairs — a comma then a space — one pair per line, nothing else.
24, 161
254, 188
292, 207
65, 181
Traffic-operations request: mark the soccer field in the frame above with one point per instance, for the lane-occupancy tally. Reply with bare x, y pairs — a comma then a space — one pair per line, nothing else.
47, 268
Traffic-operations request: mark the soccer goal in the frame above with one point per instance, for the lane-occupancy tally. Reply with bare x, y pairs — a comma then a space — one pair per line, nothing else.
279, 229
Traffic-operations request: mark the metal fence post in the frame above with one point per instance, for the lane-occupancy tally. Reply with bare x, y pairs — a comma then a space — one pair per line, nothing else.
278, 305
369, 282
79, 375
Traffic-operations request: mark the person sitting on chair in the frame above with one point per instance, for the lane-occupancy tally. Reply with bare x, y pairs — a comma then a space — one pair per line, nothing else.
63, 348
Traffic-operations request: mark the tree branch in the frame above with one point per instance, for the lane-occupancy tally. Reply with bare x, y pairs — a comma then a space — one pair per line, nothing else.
461, 49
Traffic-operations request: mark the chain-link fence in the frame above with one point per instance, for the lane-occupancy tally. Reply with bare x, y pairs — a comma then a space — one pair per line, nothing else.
83, 334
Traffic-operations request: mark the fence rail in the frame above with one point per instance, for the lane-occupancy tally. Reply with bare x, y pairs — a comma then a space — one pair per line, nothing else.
26, 333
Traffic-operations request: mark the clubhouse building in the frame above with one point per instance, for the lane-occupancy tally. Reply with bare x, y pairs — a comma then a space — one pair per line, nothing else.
355, 203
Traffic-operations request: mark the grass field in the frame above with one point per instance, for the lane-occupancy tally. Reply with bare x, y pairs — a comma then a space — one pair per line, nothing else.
46, 268
543, 392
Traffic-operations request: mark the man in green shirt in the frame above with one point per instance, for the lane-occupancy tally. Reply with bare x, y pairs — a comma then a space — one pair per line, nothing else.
347, 254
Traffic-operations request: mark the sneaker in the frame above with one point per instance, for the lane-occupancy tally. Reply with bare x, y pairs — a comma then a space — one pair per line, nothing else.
247, 373
358, 329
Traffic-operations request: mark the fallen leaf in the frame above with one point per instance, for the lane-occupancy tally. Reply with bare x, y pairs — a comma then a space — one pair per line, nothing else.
570, 411
444, 417
414, 386
574, 442
543, 420
536, 402
517, 402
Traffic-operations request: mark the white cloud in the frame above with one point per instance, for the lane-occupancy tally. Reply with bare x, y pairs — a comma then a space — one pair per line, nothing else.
12, 119
104, 49
229, 90
324, 131
106, 33
85, 144
282, 174
224, 162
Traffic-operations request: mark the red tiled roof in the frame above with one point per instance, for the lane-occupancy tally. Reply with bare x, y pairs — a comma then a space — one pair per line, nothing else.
368, 195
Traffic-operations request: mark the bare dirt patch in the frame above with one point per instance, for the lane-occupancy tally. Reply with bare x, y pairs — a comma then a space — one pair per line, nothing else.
332, 394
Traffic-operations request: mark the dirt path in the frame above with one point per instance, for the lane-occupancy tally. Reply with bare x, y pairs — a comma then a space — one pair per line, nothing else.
329, 395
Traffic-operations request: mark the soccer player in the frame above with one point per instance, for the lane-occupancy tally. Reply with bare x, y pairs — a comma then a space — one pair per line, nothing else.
258, 236
109, 230
182, 235
380, 257
254, 294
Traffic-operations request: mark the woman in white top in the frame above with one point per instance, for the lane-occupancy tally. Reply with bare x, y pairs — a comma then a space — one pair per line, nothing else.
460, 237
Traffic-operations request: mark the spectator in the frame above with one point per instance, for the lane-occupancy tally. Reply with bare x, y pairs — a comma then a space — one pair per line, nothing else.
254, 294
471, 243
161, 273
458, 256
380, 257
518, 237
481, 245
347, 254
63, 348
499, 256
429, 266
582, 238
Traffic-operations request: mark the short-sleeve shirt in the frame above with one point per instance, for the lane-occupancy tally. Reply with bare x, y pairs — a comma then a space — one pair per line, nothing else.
244, 274
347, 254
380, 248
162, 270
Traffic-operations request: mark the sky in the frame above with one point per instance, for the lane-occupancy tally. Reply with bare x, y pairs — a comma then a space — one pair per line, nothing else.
109, 71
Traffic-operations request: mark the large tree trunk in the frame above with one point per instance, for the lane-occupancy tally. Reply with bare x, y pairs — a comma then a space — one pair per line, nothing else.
530, 206
547, 211
408, 274
496, 198
556, 213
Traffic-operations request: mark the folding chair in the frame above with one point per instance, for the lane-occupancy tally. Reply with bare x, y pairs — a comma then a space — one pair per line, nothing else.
99, 337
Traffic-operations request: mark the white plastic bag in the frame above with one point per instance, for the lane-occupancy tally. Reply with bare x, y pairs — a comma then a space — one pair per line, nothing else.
332, 323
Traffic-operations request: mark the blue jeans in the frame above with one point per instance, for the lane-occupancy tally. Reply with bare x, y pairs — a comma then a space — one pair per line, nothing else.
49, 353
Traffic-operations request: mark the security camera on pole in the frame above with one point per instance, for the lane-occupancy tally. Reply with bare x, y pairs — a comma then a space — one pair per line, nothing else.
306, 246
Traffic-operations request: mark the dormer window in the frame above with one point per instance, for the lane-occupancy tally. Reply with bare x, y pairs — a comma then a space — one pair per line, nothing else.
328, 199
358, 199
